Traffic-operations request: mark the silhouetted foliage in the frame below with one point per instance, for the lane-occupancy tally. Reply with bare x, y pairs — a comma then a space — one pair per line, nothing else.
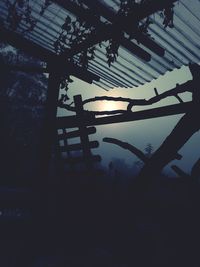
22, 97
149, 150
76, 31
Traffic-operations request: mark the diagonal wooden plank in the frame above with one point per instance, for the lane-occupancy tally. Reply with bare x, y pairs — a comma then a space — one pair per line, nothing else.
133, 116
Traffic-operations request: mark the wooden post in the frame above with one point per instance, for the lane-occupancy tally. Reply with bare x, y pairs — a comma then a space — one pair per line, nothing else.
49, 130
82, 128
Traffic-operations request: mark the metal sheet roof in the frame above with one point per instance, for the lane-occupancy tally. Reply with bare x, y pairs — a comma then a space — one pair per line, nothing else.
181, 43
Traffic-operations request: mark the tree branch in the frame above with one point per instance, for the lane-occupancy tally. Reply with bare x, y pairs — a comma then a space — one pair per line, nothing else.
134, 102
132, 148
143, 102
97, 113
120, 99
128, 147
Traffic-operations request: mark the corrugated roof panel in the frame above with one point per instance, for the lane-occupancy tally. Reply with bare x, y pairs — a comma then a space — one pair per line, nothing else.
181, 43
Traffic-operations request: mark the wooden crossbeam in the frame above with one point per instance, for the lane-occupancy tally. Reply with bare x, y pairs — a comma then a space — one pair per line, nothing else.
99, 8
175, 109
81, 125
104, 31
83, 75
73, 134
152, 6
44, 54
105, 34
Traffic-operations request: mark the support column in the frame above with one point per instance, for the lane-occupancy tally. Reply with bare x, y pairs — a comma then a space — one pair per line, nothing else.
49, 130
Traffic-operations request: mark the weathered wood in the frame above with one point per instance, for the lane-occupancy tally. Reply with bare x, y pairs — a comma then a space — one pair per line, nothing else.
81, 125
144, 11
128, 147
181, 133
137, 152
105, 35
44, 54
49, 131
73, 134
99, 8
131, 102
133, 116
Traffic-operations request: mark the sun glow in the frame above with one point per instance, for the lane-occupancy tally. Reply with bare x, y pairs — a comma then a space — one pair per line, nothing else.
110, 105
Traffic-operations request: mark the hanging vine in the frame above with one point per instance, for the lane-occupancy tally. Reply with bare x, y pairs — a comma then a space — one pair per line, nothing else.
129, 9
74, 32
168, 16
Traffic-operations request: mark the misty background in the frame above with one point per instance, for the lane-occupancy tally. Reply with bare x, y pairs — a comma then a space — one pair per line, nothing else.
138, 133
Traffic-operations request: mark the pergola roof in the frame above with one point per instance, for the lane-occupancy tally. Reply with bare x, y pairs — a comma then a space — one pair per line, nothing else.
168, 48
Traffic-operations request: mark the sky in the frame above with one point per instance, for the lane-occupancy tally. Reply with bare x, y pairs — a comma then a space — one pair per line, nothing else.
138, 133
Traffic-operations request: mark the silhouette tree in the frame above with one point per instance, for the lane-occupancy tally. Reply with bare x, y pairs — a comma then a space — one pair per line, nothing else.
22, 98
149, 150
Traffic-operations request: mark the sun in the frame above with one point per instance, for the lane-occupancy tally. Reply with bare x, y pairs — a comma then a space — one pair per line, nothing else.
110, 105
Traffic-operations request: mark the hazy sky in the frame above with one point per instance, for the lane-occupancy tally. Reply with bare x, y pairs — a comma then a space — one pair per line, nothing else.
139, 133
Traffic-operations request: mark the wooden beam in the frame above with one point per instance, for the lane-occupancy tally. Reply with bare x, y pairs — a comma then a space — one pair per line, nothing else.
49, 127
73, 134
104, 35
152, 6
46, 55
80, 117
105, 32
16, 40
110, 31
176, 109
100, 9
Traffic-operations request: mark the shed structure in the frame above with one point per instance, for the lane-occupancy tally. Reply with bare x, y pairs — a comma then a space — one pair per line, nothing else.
45, 29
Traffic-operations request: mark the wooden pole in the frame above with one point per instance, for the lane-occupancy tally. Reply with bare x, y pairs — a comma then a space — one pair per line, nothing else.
175, 109
49, 130
82, 128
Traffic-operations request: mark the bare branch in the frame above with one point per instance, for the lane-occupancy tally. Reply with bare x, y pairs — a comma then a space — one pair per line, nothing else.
127, 146
66, 106
120, 99
110, 112
143, 102
133, 102
132, 148
97, 113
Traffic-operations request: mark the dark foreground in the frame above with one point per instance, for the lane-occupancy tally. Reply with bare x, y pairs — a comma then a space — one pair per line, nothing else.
98, 223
